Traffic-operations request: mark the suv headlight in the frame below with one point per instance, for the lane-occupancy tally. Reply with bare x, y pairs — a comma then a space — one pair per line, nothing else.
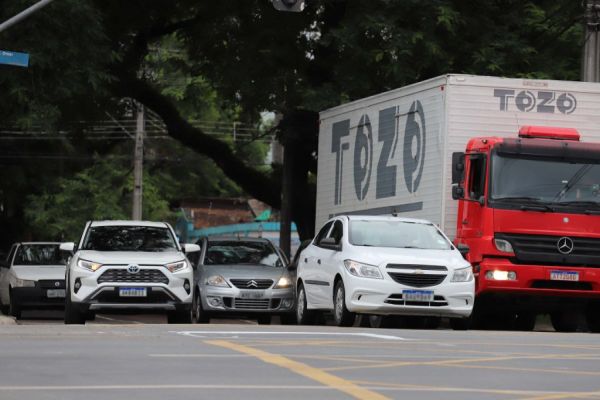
362, 270
463, 275
24, 283
503, 245
89, 265
283, 283
176, 266
217, 280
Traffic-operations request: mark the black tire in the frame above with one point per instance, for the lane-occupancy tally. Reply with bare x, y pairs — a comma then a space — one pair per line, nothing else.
341, 315
381, 321
14, 308
564, 321
4, 308
72, 313
288, 319
199, 316
304, 316
525, 321
264, 320
460, 324
592, 316
183, 316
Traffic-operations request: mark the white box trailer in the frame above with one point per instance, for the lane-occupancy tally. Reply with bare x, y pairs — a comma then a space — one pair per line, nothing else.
392, 152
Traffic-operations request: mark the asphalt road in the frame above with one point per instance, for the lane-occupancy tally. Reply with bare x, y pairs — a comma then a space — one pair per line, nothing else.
242, 361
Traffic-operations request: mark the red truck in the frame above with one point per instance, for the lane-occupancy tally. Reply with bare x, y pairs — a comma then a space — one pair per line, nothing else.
529, 210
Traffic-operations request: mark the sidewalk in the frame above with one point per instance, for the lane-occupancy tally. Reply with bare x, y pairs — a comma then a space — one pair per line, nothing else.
4, 320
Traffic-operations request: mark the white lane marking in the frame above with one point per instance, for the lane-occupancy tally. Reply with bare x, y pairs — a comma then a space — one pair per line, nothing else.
175, 355
203, 334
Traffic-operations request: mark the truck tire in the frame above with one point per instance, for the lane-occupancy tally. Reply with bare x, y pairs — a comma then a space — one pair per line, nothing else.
341, 315
304, 316
525, 321
564, 321
72, 313
592, 316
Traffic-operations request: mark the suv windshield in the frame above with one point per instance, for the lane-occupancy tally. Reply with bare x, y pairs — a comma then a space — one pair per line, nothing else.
237, 252
401, 234
39, 254
129, 238
544, 181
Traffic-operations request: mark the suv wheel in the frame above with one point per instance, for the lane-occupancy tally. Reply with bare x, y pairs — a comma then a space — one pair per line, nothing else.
199, 316
304, 316
341, 315
72, 313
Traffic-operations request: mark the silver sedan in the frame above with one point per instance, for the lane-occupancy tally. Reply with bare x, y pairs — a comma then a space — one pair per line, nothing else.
242, 277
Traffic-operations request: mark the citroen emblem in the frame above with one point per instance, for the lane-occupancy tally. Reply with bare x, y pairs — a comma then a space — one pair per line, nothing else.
252, 283
565, 245
133, 269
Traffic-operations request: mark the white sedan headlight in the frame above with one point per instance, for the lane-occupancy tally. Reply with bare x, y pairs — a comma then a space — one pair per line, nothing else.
362, 270
217, 280
89, 265
176, 266
24, 283
463, 275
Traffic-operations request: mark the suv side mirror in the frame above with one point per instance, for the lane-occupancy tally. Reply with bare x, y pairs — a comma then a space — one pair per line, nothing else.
190, 248
458, 167
68, 246
463, 249
331, 244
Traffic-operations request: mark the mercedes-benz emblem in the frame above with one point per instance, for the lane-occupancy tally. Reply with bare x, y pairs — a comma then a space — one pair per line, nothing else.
252, 283
133, 268
565, 245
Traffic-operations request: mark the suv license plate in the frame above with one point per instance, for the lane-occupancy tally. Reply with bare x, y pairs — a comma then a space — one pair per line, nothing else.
132, 292
572, 276
55, 293
417, 295
252, 294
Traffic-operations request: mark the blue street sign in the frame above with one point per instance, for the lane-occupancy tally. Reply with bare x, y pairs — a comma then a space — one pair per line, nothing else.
14, 58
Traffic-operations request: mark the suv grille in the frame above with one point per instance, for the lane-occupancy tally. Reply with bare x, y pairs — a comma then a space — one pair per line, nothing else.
252, 283
538, 249
143, 276
417, 280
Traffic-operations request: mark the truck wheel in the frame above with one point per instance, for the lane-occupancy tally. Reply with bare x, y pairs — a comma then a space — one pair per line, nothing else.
341, 315
525, 321
304, 316
14, 308
592, 316
264, 320
564, 321
460, 324
199, 315
72, 313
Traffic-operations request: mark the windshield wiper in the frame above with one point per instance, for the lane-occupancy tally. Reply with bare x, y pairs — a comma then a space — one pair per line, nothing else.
518, 198
585, 203
536, 207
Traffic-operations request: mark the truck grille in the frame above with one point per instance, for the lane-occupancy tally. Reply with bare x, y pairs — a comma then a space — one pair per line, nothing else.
252, 283
417, 280
543, 250
143, 276
251, 304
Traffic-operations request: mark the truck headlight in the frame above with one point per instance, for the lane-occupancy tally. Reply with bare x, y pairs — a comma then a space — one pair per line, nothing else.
217, 280
462, 275
89, 265
24, 283
503, 245
362, 270
283, 283
176, 266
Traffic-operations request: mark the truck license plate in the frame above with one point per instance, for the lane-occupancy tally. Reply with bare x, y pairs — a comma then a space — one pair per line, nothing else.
132, 292
417, 295
572, 276
55, 293
252, 294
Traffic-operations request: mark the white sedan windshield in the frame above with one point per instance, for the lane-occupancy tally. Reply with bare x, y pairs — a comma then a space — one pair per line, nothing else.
399, 234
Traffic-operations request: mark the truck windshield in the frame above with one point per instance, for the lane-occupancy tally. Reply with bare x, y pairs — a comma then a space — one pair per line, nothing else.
129, 238
546, 181
399, 234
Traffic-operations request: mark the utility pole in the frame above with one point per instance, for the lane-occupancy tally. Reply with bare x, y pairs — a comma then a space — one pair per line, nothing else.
138, 163
23, 14
591, 47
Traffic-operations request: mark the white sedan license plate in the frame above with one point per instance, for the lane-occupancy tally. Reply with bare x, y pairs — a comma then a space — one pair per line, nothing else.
132, 292
572, 276
417, 295
55, 293
252, 294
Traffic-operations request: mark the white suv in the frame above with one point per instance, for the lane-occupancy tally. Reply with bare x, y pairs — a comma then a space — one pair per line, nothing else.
128, 265
382, 266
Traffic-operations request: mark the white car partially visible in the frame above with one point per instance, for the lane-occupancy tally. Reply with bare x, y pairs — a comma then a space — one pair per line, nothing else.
32, 277
383, 266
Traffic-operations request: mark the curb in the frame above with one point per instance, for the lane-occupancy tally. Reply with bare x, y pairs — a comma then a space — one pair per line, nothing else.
4, 320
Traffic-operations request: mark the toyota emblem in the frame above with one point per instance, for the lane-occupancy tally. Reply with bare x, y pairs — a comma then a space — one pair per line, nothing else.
133, 269
252, 283
565, 245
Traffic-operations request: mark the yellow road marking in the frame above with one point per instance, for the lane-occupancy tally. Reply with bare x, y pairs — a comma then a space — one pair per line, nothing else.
313, 373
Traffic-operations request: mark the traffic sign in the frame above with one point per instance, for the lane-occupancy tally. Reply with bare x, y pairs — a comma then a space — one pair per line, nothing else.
14, 58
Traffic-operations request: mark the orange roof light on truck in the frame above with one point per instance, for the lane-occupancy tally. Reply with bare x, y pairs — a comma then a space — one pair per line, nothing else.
549, 132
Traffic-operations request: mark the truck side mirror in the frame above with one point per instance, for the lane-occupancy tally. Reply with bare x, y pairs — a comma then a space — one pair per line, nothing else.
457, 192
458, 167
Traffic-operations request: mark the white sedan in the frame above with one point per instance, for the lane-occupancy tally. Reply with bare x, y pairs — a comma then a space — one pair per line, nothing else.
381, 266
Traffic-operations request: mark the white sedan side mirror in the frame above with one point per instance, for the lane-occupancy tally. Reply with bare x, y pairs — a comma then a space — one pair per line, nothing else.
69, 246
190, 248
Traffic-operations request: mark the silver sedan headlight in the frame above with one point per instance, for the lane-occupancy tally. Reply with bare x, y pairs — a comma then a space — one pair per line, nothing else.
463, 275
283, 283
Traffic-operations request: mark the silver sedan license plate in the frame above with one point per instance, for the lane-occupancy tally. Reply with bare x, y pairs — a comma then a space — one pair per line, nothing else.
417, 295
252, 294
